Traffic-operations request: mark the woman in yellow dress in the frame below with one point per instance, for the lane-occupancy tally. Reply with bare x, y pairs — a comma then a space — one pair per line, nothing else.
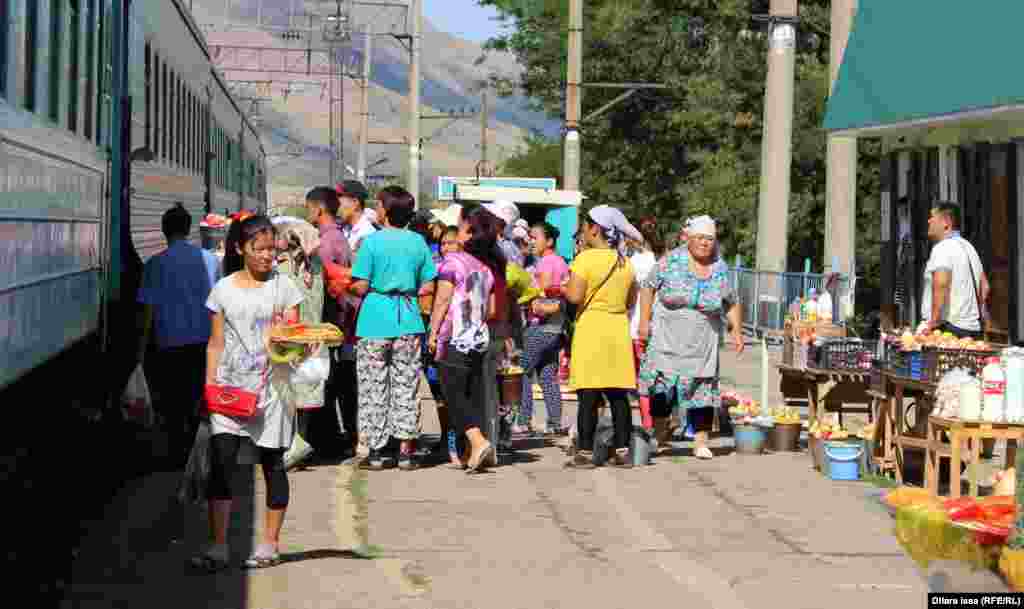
602, 287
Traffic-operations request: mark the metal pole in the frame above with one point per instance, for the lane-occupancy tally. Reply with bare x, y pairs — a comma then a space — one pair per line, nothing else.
416, 15
573, 105
364, 127
330, 101
841, 165
777, 145
341, 112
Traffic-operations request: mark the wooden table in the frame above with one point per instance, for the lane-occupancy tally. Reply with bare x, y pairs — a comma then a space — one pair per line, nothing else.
959, 431
897, 437
850, 387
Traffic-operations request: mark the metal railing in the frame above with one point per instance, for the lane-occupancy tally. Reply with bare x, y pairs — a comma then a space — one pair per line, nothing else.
766, 296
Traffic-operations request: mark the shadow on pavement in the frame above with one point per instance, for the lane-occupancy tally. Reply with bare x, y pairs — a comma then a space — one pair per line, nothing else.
137, 554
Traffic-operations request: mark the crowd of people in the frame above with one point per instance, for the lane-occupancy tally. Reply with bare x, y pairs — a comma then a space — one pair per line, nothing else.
453, 295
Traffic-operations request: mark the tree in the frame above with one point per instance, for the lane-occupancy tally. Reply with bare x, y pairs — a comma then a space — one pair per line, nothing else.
694, 147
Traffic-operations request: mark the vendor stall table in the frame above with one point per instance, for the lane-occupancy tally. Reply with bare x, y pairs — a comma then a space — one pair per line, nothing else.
849, 387
897, 437
958, 431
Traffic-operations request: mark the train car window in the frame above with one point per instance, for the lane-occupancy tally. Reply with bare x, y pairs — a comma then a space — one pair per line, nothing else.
179, 142
90, 65
164, 95
148, 95
5, 27
31, 54
74, 35
56, 50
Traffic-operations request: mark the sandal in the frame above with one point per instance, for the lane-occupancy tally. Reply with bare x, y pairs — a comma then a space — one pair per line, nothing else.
264, 556
703, 453
209, 563
482, 459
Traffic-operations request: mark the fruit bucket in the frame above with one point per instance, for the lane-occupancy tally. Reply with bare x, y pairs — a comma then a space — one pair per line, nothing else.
641, 446
785, 437
750, 439
844, 460
511, 388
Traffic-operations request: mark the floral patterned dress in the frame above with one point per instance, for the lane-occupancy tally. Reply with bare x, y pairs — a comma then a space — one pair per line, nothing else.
687, 322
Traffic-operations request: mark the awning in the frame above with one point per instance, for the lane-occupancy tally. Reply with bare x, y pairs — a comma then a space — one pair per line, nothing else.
922, 63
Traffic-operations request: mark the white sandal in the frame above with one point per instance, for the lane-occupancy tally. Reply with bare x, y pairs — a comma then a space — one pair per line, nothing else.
703, 453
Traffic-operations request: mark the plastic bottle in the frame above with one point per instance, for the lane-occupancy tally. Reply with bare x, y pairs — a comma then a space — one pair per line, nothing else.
1013, 362
812, 307
993, 388
825, 307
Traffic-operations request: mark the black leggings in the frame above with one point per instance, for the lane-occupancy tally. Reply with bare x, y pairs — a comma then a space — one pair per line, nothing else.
225, 471
463, 384
586, 417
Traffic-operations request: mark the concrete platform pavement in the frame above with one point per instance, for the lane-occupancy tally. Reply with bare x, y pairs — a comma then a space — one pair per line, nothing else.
734, 532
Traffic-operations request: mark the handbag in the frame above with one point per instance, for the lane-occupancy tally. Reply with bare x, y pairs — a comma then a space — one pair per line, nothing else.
569, 325
234, 401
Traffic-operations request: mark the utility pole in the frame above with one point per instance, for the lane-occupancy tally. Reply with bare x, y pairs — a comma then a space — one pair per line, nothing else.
573, 102
415, 17
484, 123
841, 167
777, 145
364, 127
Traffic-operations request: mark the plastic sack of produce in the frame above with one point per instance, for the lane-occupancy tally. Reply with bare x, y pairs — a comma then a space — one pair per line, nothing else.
197, 472
926, 533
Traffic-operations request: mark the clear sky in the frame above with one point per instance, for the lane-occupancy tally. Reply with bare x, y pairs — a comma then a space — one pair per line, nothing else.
463, 18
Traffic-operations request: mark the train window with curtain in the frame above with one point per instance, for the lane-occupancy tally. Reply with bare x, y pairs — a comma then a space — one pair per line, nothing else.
74, 36
31, 54
90, 65
56, 43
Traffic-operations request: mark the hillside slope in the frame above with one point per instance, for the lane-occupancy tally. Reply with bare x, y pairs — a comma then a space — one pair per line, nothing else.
451, 77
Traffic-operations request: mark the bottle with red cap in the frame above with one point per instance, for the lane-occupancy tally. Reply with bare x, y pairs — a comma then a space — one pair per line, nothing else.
993, 387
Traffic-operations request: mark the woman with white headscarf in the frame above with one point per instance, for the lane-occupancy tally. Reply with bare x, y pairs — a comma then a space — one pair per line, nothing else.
602, 286
689, 295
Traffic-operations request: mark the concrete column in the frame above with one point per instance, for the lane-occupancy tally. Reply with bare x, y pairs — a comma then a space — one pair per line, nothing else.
777, 145
841, 160
573, 98
415, 17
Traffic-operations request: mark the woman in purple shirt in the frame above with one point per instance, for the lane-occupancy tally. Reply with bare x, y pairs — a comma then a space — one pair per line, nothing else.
459, 333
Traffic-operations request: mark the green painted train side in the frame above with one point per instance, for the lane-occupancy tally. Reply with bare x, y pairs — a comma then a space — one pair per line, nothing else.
60, 234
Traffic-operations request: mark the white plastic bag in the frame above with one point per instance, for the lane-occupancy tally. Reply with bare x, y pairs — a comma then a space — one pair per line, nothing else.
312, 370
137, 402
192, 489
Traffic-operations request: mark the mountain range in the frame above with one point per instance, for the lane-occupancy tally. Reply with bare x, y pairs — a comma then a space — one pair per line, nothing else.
451, 71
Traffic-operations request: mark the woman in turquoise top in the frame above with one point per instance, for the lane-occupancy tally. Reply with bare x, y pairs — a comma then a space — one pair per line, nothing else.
391, 267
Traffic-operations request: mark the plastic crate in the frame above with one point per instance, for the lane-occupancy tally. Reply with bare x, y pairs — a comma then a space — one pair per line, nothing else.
941, 361
907, 364
848, 354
